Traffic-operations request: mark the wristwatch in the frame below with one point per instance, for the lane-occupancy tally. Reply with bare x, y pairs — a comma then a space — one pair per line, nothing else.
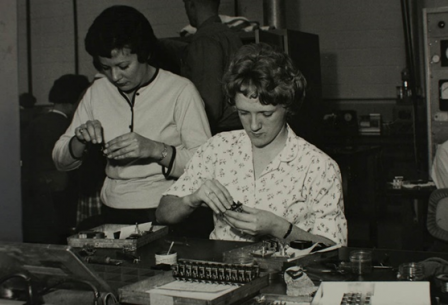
164, 152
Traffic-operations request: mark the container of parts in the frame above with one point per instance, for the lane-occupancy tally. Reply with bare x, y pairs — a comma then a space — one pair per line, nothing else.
411, 272
164, 258
300, 244
111, 236
298, 283
361, 261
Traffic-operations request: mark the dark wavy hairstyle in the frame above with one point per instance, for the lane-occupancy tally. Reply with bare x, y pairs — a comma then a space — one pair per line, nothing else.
119, 27
262, 71
68, 89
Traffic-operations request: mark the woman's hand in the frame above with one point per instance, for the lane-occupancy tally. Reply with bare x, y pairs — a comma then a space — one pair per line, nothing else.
214, 194
90, 131
253, 221
131, 145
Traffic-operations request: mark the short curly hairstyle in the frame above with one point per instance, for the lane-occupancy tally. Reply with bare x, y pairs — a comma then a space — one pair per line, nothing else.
119, 27
262, 71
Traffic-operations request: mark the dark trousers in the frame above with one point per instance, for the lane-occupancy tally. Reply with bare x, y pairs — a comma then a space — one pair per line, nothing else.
128, 216
48, 217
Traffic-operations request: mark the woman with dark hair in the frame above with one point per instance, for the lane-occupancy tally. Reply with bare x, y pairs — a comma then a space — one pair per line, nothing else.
120, 27
288, 188
149, 121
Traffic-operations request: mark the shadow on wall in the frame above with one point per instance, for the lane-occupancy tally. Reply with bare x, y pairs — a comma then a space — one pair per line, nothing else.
292, 7
330, 79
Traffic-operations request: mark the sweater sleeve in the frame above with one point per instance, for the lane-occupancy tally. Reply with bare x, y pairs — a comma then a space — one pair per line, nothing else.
61, 154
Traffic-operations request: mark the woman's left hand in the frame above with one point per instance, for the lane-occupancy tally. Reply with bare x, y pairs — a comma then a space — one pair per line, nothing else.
130, 146
252, 221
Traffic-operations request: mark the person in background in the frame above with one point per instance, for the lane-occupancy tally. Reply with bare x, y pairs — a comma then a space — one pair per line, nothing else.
50, 210
205, 60
27, 111
27, 100
289, 189
148, 121
439, 168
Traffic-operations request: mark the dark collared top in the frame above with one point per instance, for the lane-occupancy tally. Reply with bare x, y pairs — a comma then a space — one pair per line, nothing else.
204, 63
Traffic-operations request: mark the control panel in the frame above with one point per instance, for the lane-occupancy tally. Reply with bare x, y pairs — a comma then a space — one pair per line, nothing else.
435, 23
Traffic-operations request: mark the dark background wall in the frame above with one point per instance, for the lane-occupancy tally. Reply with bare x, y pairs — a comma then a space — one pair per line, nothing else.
362, 43
10, 200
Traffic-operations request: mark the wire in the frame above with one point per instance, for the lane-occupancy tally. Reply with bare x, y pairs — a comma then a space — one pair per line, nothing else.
27, 280
106, 297
437, 260
96, 294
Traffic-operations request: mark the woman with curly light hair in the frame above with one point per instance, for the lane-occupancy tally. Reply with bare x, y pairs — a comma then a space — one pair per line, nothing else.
289, 189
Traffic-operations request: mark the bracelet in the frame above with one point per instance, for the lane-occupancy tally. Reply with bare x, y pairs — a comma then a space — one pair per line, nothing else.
164, 152
166, 172
71, 151
289, 231
82, 141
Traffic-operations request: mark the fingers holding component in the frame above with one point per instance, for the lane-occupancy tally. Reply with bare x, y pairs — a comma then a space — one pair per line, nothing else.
219, 194
91, 131
216, 200
95, 131
81, 134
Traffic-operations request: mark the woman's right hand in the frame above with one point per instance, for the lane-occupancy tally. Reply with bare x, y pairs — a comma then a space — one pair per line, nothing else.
90, 131
214, 194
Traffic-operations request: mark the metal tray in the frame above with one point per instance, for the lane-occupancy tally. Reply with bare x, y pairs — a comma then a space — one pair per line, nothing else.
131, 244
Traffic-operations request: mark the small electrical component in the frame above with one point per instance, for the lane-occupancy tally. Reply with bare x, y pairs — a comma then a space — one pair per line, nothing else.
129, 256
137, 233
87, 250
355, 298
237, 207
103, 260
91, 234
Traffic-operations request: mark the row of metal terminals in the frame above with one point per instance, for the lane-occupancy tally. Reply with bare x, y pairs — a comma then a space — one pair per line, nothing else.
214, 272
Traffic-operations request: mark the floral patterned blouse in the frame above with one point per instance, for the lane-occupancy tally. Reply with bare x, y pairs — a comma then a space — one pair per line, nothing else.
301, 184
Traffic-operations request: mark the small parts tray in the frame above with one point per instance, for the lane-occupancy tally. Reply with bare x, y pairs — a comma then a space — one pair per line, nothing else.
132, 244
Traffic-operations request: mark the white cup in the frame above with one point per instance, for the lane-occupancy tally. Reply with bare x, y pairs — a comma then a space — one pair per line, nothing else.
167, 259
